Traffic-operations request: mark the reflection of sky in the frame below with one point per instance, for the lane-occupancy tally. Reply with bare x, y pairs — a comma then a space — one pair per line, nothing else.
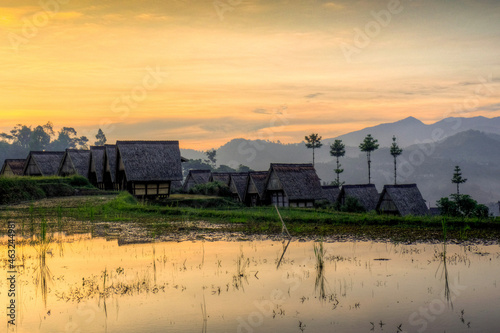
257, 55
359, 288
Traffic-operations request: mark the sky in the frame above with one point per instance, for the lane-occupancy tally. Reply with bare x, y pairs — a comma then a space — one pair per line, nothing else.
204, 72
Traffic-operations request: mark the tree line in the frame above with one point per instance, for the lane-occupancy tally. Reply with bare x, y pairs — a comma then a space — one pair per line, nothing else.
22, 139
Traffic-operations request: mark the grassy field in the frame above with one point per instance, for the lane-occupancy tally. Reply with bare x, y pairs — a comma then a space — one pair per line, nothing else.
180, 214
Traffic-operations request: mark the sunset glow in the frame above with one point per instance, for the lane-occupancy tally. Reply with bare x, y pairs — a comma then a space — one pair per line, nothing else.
204, 72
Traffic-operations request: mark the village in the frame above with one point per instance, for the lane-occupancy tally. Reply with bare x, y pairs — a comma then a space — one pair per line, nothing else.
153, 169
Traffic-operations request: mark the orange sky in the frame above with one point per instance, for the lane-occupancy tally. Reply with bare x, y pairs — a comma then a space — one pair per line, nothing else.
204, 72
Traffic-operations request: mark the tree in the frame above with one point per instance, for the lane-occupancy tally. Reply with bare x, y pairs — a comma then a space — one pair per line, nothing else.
457, 178
337, 149
211, 155
39, 139
66, 138
395, 152
368, 145
313, 141
101, 138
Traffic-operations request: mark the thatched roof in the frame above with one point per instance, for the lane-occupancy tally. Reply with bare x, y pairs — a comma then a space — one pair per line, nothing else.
407, 199
16, 165
366, 195
97, 160
47, 161
110, 151
150, 160
223, 177
299, 181
331, 193
258, 178
199, 176
238, 184
79, 160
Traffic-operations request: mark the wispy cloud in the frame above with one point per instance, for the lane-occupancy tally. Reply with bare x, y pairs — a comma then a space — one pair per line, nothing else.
313, 95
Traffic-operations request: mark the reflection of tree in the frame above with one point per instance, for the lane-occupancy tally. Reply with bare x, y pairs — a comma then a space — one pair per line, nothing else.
447, 292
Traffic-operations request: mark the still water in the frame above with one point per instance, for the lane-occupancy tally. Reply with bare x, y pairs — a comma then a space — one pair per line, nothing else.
83, 284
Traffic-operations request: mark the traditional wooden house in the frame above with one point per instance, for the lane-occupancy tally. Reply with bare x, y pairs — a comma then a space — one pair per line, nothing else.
12, 167
196, 177
96, 166
43, 163
147, 168
223, 177
404, 199
75, 162
256, 185
109, 168
331, 193
293, 185
366, 195
238, 185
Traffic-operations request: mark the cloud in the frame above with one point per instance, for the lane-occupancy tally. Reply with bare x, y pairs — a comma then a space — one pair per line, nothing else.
313, 95
262, 111
333, 6
489, 108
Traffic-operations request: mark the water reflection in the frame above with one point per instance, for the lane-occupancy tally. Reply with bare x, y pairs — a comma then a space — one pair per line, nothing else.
43, 276
320, 281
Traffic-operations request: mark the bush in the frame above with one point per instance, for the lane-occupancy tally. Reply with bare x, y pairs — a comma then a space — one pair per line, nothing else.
57, 189
19, 189
78, 181
214, 188
462, 205
351, 205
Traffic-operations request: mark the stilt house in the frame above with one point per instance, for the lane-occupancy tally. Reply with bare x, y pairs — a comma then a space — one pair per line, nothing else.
96, 166
402, 200
109, 168
75, 162
223, 177
12, 167
331, 193
196, 177
366, 195
238, 185
43, 163
293, 185
147, 168
256, 185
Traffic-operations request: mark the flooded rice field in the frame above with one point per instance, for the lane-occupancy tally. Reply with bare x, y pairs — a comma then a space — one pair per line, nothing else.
80, 283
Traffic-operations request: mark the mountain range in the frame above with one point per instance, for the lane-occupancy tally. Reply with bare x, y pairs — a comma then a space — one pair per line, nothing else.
430, 153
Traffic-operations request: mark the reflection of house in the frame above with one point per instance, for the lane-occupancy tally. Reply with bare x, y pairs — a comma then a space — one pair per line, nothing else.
75, 162
256, 184
43, 163
293, 185
109, 168
147, 168
196, 177
12, 167
402, 200
331, 193
238, 185
96, 166
366, 195
223, 177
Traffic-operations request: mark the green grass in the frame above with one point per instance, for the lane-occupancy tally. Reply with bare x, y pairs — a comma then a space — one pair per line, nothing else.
301, 222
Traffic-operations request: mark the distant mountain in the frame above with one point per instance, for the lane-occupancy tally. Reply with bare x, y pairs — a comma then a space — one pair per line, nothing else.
411, 130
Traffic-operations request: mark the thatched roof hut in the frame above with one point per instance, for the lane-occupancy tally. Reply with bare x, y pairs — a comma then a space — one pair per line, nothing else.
196, 177
12, 167
147, 168
109, 167
96, 166
256, 187
331, 193
223, 177
42, 163
75, 162
294, 185
366, 195
404, 199
238, 185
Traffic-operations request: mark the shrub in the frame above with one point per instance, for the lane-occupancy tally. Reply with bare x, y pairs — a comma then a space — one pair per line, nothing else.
351, 205
462, 205
19, 189
57, 189
214, 188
